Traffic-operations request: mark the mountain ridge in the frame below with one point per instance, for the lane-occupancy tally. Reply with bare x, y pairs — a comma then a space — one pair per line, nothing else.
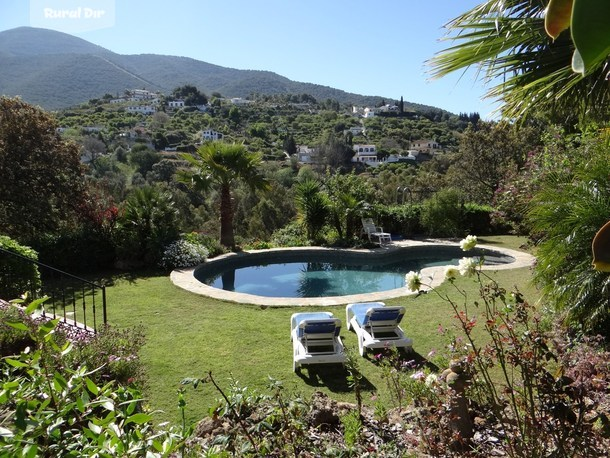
57, 70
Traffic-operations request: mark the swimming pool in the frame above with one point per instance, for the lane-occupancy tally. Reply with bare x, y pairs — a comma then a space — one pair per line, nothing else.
316, 275
188, 278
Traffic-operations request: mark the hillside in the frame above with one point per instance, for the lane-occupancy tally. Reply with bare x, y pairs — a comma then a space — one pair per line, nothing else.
56, 70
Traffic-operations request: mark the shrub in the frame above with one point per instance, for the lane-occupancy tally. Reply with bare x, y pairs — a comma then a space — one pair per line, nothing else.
213, 245
477, 219
399, 219
442, 215
570, 205
291, 235
82, 250
54, 410
17, 275
115, 352
183, 253
148, 221
13, 341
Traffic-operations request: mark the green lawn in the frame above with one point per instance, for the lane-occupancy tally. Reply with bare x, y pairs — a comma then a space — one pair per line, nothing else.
189, 335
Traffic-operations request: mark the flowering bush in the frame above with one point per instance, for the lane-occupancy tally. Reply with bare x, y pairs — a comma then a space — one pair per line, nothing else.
183, 253
557, 401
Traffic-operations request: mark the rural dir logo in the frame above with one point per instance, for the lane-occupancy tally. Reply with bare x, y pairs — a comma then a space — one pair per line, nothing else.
72, 16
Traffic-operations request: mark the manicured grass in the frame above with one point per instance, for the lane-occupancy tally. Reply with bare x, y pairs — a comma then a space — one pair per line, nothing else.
189, 335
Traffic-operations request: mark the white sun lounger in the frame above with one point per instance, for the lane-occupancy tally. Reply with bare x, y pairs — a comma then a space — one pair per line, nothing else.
315, 339
377, 326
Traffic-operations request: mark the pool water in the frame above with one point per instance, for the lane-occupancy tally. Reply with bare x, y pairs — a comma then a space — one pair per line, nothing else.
318, 279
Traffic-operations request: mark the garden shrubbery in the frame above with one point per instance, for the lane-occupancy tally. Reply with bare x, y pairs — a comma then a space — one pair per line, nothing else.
16, 275
183, 253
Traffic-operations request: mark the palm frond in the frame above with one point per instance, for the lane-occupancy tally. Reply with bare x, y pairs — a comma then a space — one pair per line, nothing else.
527, 71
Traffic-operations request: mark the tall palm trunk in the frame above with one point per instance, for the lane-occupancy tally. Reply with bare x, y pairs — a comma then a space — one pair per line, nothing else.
226, 217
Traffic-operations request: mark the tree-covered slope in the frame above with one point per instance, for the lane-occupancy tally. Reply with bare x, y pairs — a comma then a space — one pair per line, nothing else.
56, 70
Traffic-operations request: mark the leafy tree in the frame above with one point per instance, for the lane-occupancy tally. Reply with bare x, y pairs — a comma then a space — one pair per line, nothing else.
486, 152
290, 146
92, 149
334, 152
190, 94
42, 177
221, 165
532, 72
143, 158
235, 115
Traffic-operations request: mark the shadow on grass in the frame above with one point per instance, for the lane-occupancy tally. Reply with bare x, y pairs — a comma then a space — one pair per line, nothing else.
114, 277
332, 376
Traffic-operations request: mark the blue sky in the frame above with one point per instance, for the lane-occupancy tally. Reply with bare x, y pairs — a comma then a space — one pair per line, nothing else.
367, 47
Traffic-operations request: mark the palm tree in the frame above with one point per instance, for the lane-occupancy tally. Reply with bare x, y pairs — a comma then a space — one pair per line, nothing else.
221, 165
147, 223
528, 70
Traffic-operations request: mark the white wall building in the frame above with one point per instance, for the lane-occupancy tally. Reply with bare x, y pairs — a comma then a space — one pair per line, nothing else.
366, 154
425, 146
211, 135
305, 154
144, 109
174, 104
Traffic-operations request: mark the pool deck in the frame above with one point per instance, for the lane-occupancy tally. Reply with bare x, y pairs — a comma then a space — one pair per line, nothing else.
431, 277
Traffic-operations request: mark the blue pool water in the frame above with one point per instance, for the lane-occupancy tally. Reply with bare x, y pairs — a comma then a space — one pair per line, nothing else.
317, 279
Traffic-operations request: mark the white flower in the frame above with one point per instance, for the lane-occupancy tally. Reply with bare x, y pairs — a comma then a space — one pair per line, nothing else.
413, 281
431, 379
468, 243
451, 272
467, 266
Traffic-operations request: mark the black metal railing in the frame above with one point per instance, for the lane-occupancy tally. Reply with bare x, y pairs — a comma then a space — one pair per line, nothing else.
76, 301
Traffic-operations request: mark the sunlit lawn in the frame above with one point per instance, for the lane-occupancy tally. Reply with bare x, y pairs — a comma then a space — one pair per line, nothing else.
190, 335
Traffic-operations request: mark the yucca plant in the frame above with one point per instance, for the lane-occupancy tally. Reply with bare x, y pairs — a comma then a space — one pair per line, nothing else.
313, 206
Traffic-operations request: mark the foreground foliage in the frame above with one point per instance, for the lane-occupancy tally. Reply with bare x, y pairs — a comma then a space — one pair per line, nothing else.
571, 203
542, 394
53, 410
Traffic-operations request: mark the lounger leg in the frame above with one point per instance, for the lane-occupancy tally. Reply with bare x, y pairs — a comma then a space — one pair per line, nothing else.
361, 348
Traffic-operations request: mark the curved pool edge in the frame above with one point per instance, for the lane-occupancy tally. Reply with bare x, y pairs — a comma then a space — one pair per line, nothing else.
431, 276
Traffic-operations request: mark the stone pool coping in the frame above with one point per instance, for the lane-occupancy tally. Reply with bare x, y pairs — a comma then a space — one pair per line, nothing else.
431, 276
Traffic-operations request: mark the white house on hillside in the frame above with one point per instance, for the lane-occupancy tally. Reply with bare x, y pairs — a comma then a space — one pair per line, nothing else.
425, 146
239, 101
357, 130
366, 154
174, 104
305, 154
210, 135
144, 109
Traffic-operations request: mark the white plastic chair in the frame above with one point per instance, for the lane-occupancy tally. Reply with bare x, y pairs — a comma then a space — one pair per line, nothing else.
375, 233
